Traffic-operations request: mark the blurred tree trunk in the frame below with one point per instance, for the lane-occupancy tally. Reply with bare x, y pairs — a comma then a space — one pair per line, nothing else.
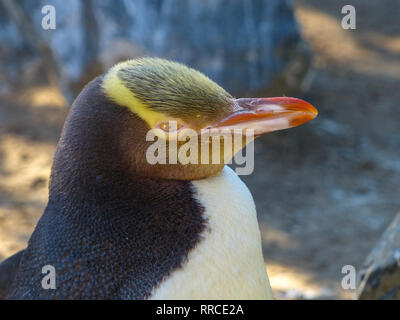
246, 46
380, 277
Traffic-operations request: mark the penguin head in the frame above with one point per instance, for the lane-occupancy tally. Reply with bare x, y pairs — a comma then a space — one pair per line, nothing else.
160, 91
179, 104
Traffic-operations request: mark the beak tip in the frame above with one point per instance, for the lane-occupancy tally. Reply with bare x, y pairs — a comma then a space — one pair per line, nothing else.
314, 112
269, 114
307, 107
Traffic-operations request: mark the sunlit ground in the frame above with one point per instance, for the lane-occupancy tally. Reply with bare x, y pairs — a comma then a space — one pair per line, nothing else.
30, 126
353, 190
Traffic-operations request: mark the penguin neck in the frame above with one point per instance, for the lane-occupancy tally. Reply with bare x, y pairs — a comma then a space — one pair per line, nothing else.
132, 230
146, 226
94, 164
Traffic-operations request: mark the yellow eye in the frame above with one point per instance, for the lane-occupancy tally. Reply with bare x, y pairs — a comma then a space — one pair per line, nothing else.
170, 126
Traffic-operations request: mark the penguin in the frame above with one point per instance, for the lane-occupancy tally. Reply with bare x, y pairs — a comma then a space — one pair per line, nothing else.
119, 227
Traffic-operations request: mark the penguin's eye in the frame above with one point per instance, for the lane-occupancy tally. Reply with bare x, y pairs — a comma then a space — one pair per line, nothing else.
170, 126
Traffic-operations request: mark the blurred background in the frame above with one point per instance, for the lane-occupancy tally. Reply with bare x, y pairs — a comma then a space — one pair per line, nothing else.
325, 192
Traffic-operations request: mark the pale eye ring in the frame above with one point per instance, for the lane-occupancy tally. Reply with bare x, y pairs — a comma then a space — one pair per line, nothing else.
170, 126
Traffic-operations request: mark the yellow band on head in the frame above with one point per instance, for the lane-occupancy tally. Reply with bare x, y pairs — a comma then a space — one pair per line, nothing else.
115, 89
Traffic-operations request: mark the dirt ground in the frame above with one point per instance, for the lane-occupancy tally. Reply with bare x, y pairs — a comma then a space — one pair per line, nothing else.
324, 192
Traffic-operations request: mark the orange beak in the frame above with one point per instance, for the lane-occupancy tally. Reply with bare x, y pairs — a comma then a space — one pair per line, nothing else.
265, 115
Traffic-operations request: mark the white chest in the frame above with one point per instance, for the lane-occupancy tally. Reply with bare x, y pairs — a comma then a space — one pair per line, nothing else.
228, 261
